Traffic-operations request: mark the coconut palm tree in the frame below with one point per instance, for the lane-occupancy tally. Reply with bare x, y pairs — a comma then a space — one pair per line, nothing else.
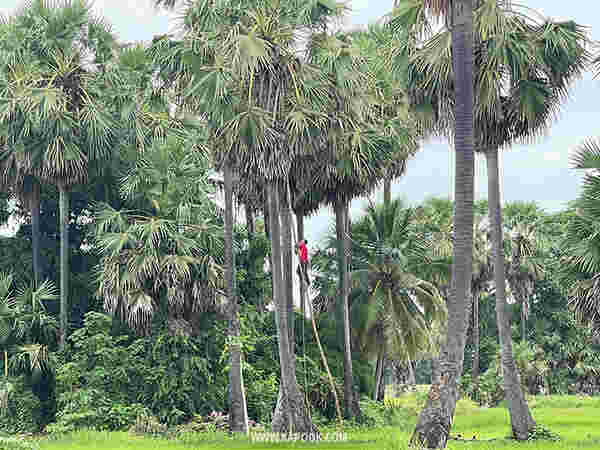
399, 310
515, 102
54, 117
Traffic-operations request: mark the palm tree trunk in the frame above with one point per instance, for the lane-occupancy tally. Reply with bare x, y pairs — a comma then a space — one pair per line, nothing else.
520, 417
341, 208
433, 426
387, 191
238, 421
250, 226
378, 373
523, 321
412, 379
288, 266
476, 345
64, 262
35, 233
267, 220
291, 414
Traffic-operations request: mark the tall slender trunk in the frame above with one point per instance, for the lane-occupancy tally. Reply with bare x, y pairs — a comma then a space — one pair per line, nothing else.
523, 322
476, 345
288, 265
435, 420
35, 232
387, 190
341, 208
266, 217
520, 416
250, 225
238, 420
291, 414
412, 379
64, 262
378, 373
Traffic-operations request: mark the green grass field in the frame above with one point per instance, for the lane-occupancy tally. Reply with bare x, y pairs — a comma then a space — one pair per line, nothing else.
575, 419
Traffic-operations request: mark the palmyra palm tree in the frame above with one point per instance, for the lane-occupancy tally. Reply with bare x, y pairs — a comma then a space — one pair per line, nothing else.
523, 269
514, 102
272, 113
56, 122
580, 259
435, 420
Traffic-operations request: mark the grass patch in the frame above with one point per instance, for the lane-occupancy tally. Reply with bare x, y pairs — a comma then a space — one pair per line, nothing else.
574, 418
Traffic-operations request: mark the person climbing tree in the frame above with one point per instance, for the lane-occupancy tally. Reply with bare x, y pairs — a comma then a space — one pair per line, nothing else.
303, 256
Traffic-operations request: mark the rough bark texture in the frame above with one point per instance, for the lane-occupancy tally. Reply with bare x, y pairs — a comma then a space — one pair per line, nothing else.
520, 417
250, 226
64, 262
291, 413
266, 217
344, 285
288, 266
435, 420
35, 232
378, 373
476, 345
238, 419
387, 190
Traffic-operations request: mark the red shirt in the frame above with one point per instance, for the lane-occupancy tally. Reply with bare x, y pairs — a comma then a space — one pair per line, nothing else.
303, 251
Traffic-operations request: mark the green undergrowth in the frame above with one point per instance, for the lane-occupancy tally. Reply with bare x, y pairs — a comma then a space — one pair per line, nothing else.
574, 420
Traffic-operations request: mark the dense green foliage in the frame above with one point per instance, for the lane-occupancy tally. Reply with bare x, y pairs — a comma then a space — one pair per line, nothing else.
130, 150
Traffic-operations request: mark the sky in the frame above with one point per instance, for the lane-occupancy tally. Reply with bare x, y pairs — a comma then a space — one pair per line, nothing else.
539, 172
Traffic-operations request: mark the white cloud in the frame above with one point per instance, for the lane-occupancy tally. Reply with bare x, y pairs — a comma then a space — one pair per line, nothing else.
553, 156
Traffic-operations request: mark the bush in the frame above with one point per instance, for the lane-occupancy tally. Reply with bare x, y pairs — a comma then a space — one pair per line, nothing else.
147, 424
12, 443
108, 381
91, 408
23, 411
491, 392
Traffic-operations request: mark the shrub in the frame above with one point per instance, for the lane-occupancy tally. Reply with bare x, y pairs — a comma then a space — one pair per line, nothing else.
491, 392
148, 424
91, 408
12, 443
22, 412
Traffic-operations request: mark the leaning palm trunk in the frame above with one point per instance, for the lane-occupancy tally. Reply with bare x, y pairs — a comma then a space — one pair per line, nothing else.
238, 420
341, 208
520, 417
64, 261
435, 420
35, 233
378, 374
291, 411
